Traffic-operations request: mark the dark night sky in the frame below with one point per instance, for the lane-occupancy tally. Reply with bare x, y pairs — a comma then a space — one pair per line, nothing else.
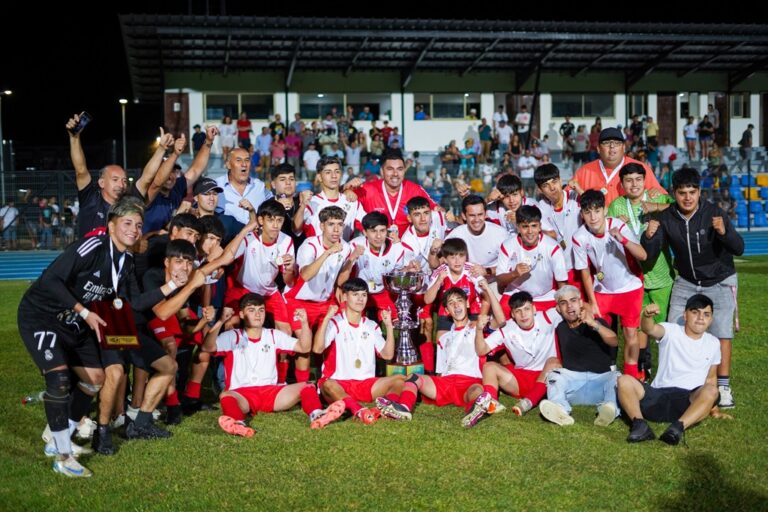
69, 60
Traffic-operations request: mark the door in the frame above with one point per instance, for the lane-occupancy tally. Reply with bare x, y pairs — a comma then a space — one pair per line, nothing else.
722, 135
667, 116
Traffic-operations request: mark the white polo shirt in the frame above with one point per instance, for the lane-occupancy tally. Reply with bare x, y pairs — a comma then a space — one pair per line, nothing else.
564, 221
528, 349
252, 362
547, 266
456, 353
351, 345
420, 245
371, 266
353, 209
259, 266
319, 288
483, 249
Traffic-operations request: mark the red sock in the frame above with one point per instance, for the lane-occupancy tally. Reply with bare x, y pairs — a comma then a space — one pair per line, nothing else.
536, 393
408, 396
193, 390
230, 408
492, 390
631, 370
392, 397
301, 375
309, 399
427, 351
172, 399
352, 405
282, 371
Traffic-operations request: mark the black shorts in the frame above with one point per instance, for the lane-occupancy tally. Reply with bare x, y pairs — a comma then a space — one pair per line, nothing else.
143, 357
665, 404
52, 343
444, 323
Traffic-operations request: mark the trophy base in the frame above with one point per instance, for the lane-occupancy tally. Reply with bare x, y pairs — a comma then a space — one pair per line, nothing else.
404, 369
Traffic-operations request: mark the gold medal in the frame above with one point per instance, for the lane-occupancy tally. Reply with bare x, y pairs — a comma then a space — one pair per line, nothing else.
278, 260
358, 363
562, 244
371, 285
117, 303
600, 276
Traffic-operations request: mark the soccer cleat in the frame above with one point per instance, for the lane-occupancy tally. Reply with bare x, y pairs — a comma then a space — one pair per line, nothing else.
393, 410
479, 409
77, 450
234, 427
102, 441
326, 416
173, 415
495, 407
85, 429
191, 406
674, 434
70, 467
726, 397
606, 413
149, 431
555, 413
522, 406
368, 416
640, 432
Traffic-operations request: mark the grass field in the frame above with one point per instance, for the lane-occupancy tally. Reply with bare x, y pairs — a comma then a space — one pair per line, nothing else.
429, 464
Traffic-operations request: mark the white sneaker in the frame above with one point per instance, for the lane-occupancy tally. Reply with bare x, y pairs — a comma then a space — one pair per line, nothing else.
726, 397
606, 413
85, 429
77, 450
555, 413
70, 467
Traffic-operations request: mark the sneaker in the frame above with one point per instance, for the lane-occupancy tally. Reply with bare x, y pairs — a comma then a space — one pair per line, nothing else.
102, 441
150, 431
606, 413
674, 434
322, 417
173, 415
555, 413
77, 450
85, 429
479, 409
495, 407
234, 427
640, 431
522, 406
368, 416
726, 397
393, 410
118, 422
70, 467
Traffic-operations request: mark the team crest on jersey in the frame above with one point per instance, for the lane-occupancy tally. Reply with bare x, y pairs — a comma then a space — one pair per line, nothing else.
386, 263
466, 289
48, 355
364, 336
266, 348
347, 207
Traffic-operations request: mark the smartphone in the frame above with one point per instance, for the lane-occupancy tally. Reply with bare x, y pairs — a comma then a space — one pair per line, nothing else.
85, 118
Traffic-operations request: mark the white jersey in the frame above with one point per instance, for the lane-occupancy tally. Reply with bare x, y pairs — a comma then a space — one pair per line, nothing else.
564, 222
261, 262
353, 209
608, 257
483, 249
319, 288
497, 213
683, 361
252, 362
353, 348
420, 245
547, 266
528, 349
456, 353
371, 266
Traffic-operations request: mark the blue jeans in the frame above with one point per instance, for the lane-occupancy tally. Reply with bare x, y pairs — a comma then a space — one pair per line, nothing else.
567, 388
46, 237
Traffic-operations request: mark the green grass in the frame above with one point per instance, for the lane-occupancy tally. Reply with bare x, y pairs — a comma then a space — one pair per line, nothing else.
428, 464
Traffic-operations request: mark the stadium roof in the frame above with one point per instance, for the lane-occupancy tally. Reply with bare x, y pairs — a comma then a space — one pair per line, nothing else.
158, 44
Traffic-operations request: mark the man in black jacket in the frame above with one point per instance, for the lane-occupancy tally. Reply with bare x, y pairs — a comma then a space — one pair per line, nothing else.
704, 242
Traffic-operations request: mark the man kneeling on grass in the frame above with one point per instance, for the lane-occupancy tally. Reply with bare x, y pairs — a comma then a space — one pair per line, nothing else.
251, 369
587, 349
685, 388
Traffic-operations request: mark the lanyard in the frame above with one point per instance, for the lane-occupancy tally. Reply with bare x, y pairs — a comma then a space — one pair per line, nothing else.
633, 220
392, 211
613, 174
115, 273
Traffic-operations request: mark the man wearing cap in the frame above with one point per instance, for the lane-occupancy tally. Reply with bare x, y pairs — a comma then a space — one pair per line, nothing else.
603, 173
206, 192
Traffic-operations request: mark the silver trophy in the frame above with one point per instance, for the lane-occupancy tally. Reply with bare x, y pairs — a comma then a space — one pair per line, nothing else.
407, 357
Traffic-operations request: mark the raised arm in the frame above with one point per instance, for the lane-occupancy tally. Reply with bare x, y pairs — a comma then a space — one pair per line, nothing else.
82, 176
200, 163
153, 165
318, 344
647, 323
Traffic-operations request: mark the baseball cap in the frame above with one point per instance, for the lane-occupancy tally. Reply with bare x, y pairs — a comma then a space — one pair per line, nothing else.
205, 185
611, 134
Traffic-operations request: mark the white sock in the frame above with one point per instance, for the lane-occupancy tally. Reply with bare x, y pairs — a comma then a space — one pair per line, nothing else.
62, 441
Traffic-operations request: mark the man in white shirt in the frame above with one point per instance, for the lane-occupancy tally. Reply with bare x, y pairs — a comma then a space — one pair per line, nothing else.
310, 159
526, 165
685, 388
499, 116
9, 216
522, 124
483, 237
666, 151
239, 186
503, 136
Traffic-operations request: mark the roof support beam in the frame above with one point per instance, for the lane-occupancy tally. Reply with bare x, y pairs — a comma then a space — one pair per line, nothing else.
407, 78
357, 56
292, 67
649, 66
712, 59
523, 76
735, 79
480, 57
226, 54
598, 59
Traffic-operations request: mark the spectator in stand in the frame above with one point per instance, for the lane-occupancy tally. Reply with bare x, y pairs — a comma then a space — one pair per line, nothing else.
263, 147
352, 156
503, 135
594, 140
419, 114
9, 220
277, 127
515, 148
228, 133
467, 158
706, 133
486, 141
68, 218
745, 147
276, 150
451, 158
498, 117
311, 157
244, 130
198, 139
581, 145
386, 132
334, 150
429, 180
651, 131
689, 132
297, 125
522, 124
566, 132
46, 225
395, 138
377, 146
293, 148
666, 152
525, 167
507, 165
366, 114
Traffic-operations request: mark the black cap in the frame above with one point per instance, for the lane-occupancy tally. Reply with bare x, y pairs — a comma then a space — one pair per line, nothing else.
205, 185
611, 134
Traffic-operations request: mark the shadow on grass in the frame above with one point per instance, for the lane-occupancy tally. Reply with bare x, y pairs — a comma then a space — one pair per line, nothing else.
706, 488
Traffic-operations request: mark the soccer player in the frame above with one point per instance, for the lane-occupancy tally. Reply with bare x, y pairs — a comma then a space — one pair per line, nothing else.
684, 390
530, 342
483, 238
350, 343
530, 262
611, 248
504, 200
426, 232
251, 370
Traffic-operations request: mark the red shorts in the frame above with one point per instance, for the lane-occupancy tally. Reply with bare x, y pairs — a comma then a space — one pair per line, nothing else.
542, 305
316, 311
381, 301
450, 390
525, 378
360, 390
260, 398
274, 304
626, 306
574, 279
171, 328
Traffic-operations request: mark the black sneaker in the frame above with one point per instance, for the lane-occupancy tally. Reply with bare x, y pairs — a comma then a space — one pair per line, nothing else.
674, 433
640, 431
173, 415
150, 431
102, 440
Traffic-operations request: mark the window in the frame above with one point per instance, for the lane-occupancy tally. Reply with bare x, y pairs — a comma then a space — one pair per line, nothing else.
448, 106
425, 102
257, 106
582, 105
689, 105
317, 106
638, 105
219, 105
380, 105
740, 104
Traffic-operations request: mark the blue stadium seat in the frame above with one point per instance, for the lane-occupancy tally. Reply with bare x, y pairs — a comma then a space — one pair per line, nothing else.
764, 192
743, 220
760, 221
756, 207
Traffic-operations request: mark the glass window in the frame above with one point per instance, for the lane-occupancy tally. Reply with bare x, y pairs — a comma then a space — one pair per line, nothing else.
471, 102
257, 106
638, 105
380, 105
598, 105
219, 105
567, 105
448, 106
582, 105
689, 105
317, 106
740, 104
424, 101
